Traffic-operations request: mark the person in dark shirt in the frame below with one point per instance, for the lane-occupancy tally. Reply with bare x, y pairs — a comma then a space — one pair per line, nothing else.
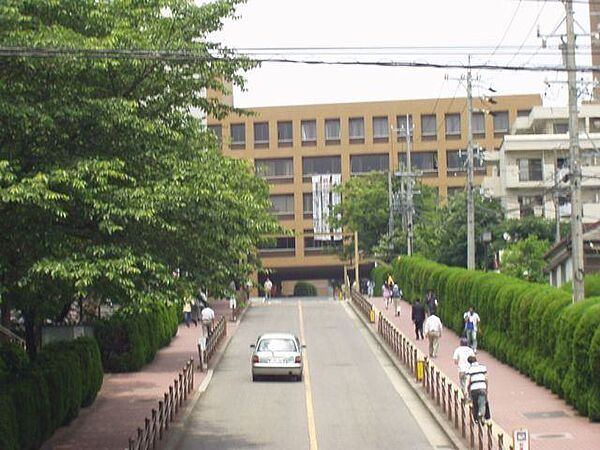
431, 302
418, 317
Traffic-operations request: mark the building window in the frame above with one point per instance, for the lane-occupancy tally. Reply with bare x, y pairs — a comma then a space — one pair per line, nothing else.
311, 245
531, 205
369, 163
275, 169
280, 244
261, 134
321, 165
307, 204
285, 134
530, 169
332, 131
560, 128
562, 163
452, 125
283, 206
523, 112
238, 135
428, 126
424, 161
457, 161
594, 124
217, 130
478, 124
308, 129
401, 126
356, 130
500, 122
381, 129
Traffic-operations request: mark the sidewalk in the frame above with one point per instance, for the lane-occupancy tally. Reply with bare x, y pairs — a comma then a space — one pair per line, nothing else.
127, 398
515, 400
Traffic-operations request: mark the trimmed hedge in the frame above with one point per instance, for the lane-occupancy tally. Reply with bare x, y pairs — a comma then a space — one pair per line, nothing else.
591, 285
533, 327
38, 397
304, 289
128, 340
379, 276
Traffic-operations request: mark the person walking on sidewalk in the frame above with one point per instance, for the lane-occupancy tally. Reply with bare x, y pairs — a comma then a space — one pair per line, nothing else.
478, 388
460, 357
433, 331
187, 312
396, 295
268, 286
418, 317
387, 295
471, 319
370, 288
431, 301
232, 299
208, 317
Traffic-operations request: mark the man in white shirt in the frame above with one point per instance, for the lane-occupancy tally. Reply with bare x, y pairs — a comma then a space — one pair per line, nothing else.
478, 387
208, 317
433, 331
471, 319
268, 286
460, 357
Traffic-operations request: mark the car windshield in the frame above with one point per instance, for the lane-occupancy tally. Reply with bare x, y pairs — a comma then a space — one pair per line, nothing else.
277, 345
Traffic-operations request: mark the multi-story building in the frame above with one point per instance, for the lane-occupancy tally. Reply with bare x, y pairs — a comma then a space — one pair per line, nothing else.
290, 144
530, 172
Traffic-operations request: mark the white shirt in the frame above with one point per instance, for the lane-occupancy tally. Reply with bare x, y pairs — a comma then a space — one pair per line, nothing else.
474, 318
268, 285
477, 375
461, 354
433, 323
208, 314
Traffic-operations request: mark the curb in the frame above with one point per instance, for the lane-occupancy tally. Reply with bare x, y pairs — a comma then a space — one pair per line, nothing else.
175, 434
438, 416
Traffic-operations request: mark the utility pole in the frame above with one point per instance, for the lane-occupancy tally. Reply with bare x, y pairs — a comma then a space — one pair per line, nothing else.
409, 192
470, 168
391, 206
575, 163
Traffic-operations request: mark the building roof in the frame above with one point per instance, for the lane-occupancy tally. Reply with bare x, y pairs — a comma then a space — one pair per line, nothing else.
591, 233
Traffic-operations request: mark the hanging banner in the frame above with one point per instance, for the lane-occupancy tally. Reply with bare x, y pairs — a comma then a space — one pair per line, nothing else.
324, 199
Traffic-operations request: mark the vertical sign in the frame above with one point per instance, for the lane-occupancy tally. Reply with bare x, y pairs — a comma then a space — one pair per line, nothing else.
324, 198
521, 439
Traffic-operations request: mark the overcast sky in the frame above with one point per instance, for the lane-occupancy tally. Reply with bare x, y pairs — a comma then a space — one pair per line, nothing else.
458, 26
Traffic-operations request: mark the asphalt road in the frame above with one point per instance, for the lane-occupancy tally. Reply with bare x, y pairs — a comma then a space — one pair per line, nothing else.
351, 397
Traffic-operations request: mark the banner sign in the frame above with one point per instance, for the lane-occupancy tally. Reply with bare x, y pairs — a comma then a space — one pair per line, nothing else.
324, 199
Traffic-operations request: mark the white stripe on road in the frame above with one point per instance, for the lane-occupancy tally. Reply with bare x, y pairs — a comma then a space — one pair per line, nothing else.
310, 410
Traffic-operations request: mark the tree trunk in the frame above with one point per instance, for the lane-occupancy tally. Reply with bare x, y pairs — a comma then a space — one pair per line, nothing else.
30, 334
5, 312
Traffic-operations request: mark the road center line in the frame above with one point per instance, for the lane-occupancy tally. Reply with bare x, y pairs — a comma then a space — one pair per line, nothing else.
310, 411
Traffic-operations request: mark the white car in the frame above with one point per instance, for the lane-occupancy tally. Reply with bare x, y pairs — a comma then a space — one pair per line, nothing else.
278, 354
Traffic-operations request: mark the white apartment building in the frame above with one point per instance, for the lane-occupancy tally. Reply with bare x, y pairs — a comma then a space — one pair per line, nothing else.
530, 171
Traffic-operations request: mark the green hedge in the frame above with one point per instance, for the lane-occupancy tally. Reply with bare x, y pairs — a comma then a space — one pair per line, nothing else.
38, 397
304, 289
379, 276
128, 340
591, 285
533, 327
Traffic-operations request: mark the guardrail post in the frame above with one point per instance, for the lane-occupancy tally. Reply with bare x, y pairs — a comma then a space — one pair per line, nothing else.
480, 435
456, 408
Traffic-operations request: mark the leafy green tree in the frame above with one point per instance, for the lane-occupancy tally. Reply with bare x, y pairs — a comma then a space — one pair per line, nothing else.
525, 259
108, 184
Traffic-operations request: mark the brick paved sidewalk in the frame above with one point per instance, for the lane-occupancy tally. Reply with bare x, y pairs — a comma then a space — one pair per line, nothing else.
515, 400
126, 399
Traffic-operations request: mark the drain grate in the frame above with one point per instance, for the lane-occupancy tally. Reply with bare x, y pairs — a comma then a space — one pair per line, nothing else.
545, 414
545, 436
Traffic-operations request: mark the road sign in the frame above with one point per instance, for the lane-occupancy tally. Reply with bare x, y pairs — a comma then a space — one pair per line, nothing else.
521, 439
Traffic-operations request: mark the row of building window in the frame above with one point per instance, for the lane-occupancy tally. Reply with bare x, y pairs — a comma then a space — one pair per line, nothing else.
532, 169
321, 165
356, 129
288, 244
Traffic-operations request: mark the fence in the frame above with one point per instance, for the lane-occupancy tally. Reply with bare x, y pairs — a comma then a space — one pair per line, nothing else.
443, 393
215, 337
158, 423
7, 335
362, 303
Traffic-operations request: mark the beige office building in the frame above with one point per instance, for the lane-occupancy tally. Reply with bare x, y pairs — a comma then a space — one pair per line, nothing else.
290, 144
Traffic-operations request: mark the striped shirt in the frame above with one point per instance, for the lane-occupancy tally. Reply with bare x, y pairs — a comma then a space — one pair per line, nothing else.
477, 374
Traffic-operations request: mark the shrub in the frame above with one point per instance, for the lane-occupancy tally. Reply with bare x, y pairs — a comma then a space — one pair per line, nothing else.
130, 339
304, 289
379, 275
591, 286
533, 327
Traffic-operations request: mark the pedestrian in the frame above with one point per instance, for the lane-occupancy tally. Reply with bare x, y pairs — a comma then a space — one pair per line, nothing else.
390, 281
268, 286
195, 310
478, 388
431, 301
208, 317
387, 295
370, 288
460, 357
233, 300
418, 317
433, 331
471, 319
248, 289
396, 295
187, 312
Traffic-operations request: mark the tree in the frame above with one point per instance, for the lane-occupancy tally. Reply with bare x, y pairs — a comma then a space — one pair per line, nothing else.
108, 184
525, 259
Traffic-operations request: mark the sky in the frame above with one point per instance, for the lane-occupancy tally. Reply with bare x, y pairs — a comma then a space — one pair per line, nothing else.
501, 32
